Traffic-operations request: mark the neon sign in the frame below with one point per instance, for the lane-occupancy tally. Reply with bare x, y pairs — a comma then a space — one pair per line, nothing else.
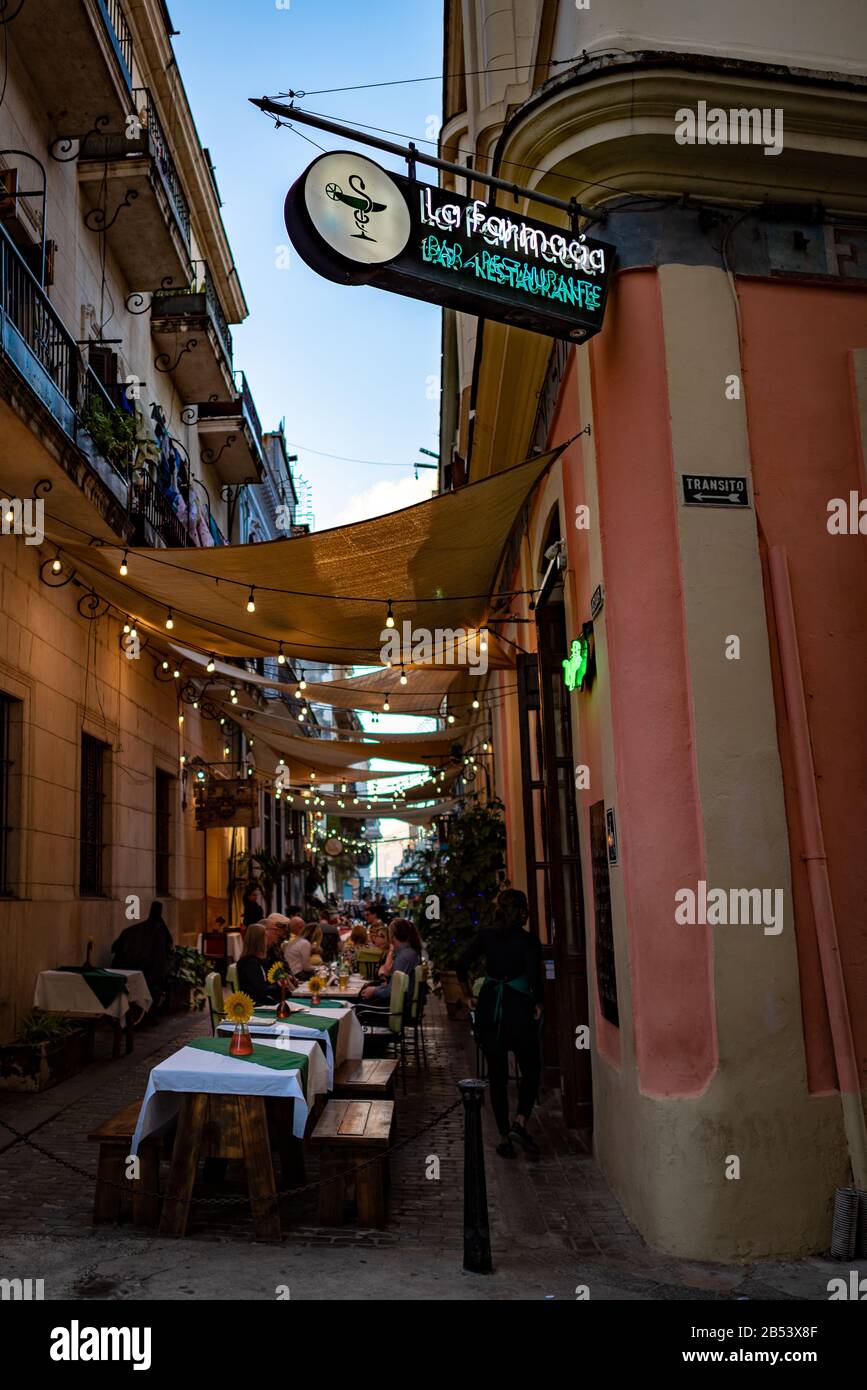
356, 223
575, 666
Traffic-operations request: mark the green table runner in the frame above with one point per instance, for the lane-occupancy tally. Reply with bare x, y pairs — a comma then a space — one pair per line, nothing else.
306, 1020
105, 985
277, 1058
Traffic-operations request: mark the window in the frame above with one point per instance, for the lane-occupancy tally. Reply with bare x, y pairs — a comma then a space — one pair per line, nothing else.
163, 788
10, 777
92, 833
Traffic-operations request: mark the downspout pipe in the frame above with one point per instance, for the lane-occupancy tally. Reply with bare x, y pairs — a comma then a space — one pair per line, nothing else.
817, 870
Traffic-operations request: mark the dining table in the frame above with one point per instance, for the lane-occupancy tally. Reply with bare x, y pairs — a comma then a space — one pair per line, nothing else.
349, 994
336, 1028
234, 1107
81, 993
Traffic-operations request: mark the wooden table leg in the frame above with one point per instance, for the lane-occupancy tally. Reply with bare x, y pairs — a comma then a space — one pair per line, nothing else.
145, 1190
260, 1169
291, 1150
182, 1174
109, 1177
369, 1190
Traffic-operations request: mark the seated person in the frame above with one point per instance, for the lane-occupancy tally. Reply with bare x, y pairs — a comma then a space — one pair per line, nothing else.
404, 957
252, 978
146, 946
299, 954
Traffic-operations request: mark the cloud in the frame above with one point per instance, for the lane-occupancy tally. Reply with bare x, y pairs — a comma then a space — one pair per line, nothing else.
389, 495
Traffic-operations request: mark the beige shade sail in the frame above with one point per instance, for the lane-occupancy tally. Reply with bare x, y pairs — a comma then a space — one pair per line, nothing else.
344, 754
324, 595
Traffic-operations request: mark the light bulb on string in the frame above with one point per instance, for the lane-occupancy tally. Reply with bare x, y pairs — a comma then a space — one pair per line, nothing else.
403, 676
251, 602
170, 622
386, 705
302, 684
476, 703
56, 564
389, 617
124, 568
165, 665
212, 665
126, 628
176, 675
281, 659
483, 640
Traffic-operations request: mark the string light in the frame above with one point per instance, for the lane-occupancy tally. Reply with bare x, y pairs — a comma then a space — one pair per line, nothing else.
385, 704
126, 628
165, 665
55, 564
212, 665
403, 676
451, 719
251, 602
389, 617
176, 674
302, 684
180, 719
133, 632
170, 622
281, 659
483, 640
124, 569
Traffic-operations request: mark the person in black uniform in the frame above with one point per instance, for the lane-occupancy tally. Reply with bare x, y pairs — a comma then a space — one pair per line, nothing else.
253, 910
508, 1010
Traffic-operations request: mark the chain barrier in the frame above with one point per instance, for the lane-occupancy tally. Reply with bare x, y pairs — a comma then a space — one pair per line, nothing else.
125, 1186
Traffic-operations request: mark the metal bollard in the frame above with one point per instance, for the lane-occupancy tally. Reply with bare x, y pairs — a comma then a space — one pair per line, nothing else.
477, 1235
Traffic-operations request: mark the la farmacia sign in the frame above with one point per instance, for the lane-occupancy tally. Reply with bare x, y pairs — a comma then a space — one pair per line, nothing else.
357, 224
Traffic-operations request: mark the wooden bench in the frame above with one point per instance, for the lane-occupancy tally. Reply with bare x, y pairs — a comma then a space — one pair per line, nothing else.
370, 1079
349, 1134
112, 1185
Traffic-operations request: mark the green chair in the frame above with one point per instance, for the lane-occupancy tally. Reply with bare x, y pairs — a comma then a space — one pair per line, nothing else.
394, 1014
368, 962
415, 1018
214, 993
232, 977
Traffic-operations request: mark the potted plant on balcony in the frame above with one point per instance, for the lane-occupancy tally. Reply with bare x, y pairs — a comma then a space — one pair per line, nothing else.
460, 878
48, 1048
115, 434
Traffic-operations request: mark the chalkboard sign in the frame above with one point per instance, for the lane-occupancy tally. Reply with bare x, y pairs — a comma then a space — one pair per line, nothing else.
606, 974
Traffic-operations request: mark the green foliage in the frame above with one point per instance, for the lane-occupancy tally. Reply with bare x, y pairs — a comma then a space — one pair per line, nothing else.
114, 433
191, 969
464, 873
40, 1028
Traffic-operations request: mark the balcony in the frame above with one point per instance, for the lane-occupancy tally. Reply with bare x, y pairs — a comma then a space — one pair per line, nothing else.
195, 344
47, 358
78, 54
133, 193
154, 520
230, 437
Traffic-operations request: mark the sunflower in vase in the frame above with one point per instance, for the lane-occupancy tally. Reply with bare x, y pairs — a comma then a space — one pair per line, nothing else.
316, 985
239, 1010
281, 975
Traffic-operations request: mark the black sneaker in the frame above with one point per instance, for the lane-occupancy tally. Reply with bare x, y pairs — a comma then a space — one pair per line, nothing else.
527, 1142
506, 1149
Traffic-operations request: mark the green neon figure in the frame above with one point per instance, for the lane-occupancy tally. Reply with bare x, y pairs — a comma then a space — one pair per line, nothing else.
575, 668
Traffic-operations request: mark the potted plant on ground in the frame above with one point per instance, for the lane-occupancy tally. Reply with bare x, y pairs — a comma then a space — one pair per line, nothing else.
187, 985
460, 878
48, 1048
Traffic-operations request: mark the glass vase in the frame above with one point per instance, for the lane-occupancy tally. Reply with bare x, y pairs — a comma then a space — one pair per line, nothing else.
241, 1044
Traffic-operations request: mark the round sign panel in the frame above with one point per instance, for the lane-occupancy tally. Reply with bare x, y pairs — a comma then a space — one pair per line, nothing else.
347, 216
356, 208
333, 847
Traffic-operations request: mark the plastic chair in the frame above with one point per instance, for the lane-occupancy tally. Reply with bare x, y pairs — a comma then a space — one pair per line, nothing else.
214, 992
394, 1014
232, 977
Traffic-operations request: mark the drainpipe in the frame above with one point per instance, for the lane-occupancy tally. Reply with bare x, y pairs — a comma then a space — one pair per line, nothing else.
817, 870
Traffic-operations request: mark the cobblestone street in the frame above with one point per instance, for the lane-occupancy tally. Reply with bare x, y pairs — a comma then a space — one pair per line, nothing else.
555, 1225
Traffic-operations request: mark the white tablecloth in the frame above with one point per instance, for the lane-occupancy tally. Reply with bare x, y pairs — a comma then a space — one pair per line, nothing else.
234, 944
350, 994
194, 1070
64, 992
350, 1035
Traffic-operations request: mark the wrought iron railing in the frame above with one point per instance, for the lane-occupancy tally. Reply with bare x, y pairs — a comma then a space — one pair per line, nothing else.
147, 139
249, 407
115, 19
202, 284
146, 500
31, 313
145, 107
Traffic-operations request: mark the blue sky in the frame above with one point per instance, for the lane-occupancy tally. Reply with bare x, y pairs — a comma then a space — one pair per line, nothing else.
350, 369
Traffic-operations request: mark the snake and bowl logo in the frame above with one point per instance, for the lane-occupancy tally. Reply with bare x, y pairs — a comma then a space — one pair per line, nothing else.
356, 208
